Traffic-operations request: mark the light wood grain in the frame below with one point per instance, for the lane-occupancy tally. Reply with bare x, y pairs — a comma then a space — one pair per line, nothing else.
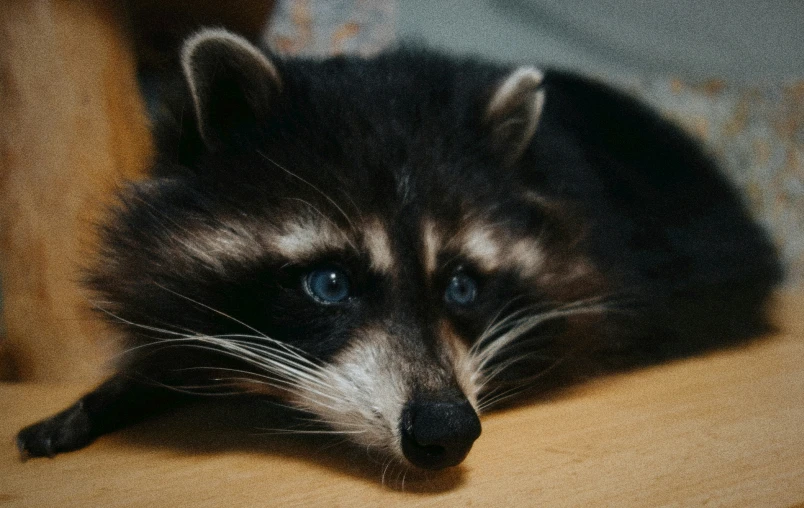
719, 430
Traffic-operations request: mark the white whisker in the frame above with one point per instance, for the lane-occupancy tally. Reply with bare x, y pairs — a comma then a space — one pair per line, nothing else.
270, 431
322, 193
216, 311
506, 332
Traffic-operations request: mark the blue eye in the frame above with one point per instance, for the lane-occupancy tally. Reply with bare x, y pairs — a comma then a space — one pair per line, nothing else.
461, 290
328, 285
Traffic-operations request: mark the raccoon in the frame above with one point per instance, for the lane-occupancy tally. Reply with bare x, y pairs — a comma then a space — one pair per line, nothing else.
395, 244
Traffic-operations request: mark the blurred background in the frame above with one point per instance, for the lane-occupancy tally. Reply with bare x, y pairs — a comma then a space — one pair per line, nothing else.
745, 41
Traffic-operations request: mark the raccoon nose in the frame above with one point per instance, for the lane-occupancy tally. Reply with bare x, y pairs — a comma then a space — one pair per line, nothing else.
438, 433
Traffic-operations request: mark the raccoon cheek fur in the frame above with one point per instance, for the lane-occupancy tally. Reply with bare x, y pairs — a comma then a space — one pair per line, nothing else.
397, 243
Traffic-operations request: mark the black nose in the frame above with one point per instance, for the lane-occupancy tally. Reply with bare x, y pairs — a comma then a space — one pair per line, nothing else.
438, 433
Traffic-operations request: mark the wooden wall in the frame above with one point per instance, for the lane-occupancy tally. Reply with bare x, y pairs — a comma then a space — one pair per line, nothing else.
72, 128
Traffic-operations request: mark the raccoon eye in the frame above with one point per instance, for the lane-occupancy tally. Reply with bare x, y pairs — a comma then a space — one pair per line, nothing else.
461, 290
327, 285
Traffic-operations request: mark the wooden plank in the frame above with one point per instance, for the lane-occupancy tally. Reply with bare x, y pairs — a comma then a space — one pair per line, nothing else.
719, 430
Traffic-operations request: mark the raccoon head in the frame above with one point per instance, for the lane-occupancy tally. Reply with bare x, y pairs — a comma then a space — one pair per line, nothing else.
353, 236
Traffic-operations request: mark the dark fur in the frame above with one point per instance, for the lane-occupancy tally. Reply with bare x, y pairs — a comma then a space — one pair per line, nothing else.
400, 136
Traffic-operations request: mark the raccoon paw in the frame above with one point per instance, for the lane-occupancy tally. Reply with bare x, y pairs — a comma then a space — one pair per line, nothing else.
66, 431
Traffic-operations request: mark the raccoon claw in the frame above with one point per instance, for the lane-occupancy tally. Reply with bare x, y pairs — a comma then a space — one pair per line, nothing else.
63, 432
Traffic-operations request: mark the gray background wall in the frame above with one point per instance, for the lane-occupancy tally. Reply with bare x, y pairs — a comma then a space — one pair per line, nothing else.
739, 40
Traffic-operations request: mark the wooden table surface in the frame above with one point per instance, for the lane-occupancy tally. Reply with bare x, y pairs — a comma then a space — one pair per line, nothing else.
726, 429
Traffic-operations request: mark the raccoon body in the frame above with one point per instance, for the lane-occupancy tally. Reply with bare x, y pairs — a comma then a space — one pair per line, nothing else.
393, 243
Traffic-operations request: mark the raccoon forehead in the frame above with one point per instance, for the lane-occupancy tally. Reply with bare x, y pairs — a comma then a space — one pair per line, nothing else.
213, 246
218, 245
377, 243
303, 238
491, 246
431, 244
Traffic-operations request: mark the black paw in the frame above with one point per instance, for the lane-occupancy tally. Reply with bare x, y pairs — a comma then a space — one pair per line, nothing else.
69, 430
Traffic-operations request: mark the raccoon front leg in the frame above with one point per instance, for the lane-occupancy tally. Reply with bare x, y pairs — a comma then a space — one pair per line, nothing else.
116, 403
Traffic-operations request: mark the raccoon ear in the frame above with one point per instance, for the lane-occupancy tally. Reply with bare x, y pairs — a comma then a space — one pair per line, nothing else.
232, 84
513, 112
